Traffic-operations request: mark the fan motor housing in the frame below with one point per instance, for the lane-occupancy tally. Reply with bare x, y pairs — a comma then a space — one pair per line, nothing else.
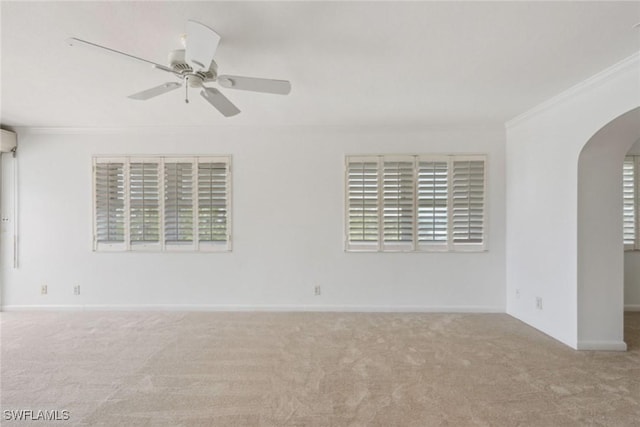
178, 63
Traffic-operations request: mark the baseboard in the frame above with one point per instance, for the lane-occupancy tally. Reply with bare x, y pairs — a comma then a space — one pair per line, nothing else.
632, 307
602, 345
274, 308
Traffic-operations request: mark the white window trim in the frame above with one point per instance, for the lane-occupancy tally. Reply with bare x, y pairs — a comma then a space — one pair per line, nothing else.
161, 246
449, 246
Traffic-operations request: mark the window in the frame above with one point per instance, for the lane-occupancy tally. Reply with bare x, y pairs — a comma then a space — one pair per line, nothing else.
162, 203
630, 202
415, 203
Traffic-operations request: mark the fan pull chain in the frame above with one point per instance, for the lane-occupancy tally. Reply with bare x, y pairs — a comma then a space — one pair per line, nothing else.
186, 91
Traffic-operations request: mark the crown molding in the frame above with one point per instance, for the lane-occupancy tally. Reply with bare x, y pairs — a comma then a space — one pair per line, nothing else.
181, 130
590, 83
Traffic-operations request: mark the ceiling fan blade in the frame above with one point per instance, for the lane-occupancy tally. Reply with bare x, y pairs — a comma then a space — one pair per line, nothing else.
202, 43
155, 91
280, 87
72, 41
219, 101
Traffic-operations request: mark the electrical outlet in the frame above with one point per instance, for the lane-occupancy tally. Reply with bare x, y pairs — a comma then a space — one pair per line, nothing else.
43, 290
76, 290
518, 293
317, 291
539, 303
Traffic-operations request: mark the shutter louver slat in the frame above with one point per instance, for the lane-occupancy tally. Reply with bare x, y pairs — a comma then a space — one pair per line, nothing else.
212, 202
397, 203
362, 208
468, 201
109, 196
178, 203
144, 203
433, 196
629, 201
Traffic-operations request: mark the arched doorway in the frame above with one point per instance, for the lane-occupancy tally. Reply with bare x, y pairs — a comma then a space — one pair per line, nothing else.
600, 243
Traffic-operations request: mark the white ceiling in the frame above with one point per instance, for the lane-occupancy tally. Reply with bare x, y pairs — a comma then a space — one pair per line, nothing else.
350, 63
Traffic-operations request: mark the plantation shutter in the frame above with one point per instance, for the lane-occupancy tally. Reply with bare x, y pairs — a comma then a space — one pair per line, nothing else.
109, 219
213, 203
178, 204
629, 194
468, 201
144, 204
432, 193
362, 203
397, 203
162, 203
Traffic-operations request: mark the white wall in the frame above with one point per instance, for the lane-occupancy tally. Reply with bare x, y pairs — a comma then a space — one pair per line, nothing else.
288, 214
542, 153
632, 266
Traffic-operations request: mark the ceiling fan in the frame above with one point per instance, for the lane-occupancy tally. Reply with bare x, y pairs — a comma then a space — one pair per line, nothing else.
194, 66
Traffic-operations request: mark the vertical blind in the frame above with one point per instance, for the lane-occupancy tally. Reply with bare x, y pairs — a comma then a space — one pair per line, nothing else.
410, 203
162, 203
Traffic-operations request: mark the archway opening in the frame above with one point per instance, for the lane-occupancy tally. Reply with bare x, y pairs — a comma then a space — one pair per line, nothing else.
600, 234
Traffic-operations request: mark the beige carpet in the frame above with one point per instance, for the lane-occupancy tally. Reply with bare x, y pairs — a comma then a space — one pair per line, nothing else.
310, 369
